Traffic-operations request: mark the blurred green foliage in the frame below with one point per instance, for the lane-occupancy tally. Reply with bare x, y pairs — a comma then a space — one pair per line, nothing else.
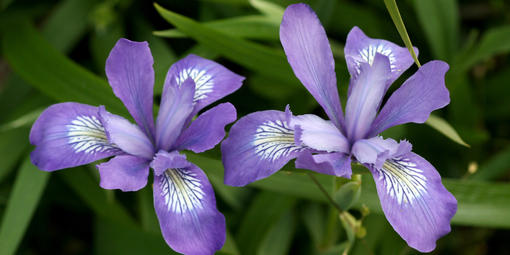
54, 51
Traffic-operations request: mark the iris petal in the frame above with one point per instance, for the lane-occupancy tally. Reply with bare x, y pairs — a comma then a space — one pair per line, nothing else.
414, 201
67, 135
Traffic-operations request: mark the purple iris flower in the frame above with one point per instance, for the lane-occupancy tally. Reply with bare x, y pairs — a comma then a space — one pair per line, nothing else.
411, 194
73, 134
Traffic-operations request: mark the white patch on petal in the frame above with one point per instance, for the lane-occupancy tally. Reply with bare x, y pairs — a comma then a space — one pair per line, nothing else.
86, 134
182, 190
274, 139
403, 180
204, 83
367, 55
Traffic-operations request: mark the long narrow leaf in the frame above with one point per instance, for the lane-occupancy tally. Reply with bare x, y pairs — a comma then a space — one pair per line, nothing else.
445, 128
27, 191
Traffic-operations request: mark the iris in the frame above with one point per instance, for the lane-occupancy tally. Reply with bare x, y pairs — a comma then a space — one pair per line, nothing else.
72, 134
412, 197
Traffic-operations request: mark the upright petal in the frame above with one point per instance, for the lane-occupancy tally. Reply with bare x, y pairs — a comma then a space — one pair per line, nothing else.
186, 208
128, 137
124, 172
213, 81
208, 129
165, 160
421, 94
362, 49
414, 201
309, 54
130, 73
68, 135
337, 163
318, 134
258, 145
377, 150
366, 96
176, 107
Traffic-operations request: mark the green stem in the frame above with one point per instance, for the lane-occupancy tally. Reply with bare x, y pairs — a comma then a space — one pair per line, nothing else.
323, 190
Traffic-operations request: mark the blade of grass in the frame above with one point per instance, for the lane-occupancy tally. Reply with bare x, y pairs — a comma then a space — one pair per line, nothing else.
28, 189
445, 128
392, 8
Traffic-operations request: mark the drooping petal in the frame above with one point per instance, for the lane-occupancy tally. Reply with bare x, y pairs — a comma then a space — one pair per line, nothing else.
258, 145
366, 95
213, 81
131, 76
165, 160
186, 208
421, 94
377, 150
309, 54
414, 201
318, 134
124, 172
362, 49
128, 137
68, 135
176, 107
208, 129
337, 164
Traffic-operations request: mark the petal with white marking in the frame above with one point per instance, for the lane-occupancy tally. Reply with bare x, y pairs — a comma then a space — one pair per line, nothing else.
258, 145
68, 135
213, 81
414, 200
360, 48
186, 208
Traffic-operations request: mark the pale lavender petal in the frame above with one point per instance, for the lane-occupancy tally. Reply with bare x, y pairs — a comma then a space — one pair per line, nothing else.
213, 81
186, 208
362, 49
318, 134
366, 96
258, 145
421, 94
165, 160
208, 129
124, 172
309, 54
131, 76
68, 135
414, 201
176, 107
337, 164
377, 150
128, 137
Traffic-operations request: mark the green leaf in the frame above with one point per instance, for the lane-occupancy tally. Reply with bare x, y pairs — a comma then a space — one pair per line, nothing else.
392, 8
44, 67
251, 55
249, 27
265, 211
495, 167
279, 238
68, 23
89, 191
13, 143
440, 22
445, 128
494, 41
113, 238
28, 189
271, 10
